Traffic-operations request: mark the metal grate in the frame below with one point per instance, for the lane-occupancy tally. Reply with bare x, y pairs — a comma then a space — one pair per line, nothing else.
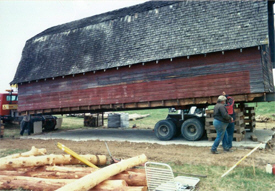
159, 177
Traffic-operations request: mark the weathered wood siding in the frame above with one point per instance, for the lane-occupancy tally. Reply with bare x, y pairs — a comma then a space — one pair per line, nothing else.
199, 76
267, 69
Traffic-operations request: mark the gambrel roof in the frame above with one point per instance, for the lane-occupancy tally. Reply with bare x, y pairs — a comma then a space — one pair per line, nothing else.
142, 33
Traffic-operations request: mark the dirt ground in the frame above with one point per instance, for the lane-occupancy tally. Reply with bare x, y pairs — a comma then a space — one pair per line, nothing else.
178, 154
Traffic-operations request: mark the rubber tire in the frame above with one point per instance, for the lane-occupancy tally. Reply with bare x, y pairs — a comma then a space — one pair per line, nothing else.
171, 130
49, 126
177, 129
198, 126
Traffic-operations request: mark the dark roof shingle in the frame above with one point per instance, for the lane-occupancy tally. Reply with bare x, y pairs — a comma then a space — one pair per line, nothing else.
142, 33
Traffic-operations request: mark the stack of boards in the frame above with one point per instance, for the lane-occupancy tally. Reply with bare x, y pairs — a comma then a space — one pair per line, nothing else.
94, 120
245, 119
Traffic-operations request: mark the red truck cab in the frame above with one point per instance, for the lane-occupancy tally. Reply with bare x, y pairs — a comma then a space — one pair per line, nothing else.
8, 106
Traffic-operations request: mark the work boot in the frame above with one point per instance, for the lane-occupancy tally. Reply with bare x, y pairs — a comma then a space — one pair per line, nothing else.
214, 152
227, 150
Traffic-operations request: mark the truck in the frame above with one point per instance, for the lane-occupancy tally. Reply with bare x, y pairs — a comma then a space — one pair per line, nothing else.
9, 113
8, 107
153, 55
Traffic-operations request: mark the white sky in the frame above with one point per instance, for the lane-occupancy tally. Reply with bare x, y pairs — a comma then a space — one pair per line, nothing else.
21, 20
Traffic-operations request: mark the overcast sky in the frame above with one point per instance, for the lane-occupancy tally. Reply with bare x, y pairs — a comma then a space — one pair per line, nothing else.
21, 20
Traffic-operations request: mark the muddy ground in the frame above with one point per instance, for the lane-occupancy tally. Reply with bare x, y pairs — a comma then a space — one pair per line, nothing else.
178, 154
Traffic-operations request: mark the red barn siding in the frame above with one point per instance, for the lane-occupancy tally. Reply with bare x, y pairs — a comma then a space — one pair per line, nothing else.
267, 68
199, 76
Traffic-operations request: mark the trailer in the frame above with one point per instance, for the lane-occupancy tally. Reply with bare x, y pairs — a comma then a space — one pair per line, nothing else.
153, 55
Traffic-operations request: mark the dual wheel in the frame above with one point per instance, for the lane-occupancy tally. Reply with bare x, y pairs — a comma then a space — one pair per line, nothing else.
191, 129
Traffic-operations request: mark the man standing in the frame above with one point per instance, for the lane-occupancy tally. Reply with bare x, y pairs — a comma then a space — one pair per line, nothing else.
25, 124
231, 126
221, 121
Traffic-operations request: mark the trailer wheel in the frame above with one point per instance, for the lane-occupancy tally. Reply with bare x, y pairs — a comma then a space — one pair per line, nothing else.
165, 130
192, 129
49, 126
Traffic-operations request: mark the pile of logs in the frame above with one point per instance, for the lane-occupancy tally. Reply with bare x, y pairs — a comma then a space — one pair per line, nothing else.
34, 170
239, 132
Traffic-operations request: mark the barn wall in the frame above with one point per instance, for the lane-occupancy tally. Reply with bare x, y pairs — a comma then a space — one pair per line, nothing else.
267, 68
199, 76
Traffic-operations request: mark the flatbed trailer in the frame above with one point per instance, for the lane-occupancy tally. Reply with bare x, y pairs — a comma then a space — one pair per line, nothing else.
201, 102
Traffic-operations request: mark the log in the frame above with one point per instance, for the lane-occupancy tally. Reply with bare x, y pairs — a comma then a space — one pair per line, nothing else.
91, 180
71, 168
33, 152
136, 188
29, 183
39, 184
111, 185
48, 175
131, 178
67, 168
22, 162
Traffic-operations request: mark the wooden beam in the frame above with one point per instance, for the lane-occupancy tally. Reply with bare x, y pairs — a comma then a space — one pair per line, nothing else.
141, 105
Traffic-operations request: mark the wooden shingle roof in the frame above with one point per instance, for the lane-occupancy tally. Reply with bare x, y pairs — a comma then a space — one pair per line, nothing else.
142, 33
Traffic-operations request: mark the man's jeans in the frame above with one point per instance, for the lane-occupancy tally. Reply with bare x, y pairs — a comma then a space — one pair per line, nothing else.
221, 134
230, 131
25, 126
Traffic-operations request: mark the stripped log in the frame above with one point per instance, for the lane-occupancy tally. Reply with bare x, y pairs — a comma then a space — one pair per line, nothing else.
39, 184
48, 175
136, 188
111, 185
131, 178
90, 181
22, 162
67, 168
72, 168
33, 152
30, 183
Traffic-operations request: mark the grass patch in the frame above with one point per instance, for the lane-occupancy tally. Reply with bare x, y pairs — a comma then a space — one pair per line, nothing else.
264, 108
148, 122
12, 130
72, 122
241, 178
6, 152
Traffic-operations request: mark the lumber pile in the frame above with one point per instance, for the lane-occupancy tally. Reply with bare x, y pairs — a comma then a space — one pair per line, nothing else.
135, 116
239, 132
132, 116
249, 116
93, 120
33, 170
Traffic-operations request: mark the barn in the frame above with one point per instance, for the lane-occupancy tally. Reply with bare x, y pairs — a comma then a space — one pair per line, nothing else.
156, 54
